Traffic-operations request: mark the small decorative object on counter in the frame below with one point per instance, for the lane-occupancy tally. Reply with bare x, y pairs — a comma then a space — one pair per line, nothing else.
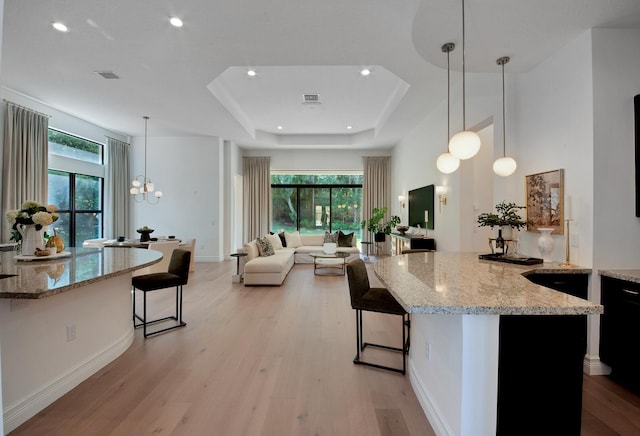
144, 233
500, 241
28, 225
545, 243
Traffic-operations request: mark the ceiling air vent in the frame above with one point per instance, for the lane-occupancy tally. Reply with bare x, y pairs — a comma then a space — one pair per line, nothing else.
108, 74
311, 98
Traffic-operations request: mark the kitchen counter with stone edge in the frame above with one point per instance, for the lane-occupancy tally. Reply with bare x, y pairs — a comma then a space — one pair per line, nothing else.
37, 279
460, 283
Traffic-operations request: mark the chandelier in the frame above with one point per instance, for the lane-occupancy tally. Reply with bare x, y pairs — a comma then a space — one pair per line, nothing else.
142, 186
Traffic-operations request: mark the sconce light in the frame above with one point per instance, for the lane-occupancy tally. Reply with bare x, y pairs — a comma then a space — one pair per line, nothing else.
402, 199
441, 191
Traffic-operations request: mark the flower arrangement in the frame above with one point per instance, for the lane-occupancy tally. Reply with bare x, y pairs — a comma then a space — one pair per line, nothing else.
507, 216
31, 212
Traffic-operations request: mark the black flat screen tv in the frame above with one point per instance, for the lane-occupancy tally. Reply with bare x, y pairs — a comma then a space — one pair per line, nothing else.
421, 200
636, 110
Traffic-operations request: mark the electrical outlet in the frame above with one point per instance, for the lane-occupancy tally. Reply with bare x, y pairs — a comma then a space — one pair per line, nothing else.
427, 350
71, 333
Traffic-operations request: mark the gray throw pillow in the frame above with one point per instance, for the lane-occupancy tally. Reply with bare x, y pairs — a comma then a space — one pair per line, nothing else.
266, 248
331, 237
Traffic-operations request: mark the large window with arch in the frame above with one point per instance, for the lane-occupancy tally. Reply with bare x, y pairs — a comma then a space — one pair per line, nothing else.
315, 203
76, 186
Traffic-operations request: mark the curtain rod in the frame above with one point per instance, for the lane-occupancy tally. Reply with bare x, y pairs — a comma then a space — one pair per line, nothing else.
25, 108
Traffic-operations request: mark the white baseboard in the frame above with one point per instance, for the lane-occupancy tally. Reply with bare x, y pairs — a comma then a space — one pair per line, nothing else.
592, 365
17, 414
431, 411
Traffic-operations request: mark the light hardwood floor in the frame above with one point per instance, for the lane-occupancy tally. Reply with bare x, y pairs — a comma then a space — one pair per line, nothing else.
269, 361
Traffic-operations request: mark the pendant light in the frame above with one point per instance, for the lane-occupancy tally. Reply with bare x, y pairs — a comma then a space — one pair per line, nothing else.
142, 186
504, 166
448, 163
465, 144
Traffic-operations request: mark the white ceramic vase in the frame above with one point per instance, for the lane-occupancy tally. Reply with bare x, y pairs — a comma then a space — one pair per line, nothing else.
545, 243
31, 238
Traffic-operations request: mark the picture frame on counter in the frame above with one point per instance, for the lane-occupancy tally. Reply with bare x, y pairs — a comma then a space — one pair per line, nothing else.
545, 201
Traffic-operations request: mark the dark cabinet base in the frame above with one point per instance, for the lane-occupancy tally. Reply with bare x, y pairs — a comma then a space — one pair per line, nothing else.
619, 331
540, 374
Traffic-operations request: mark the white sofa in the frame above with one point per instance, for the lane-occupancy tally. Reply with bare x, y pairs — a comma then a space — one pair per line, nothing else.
272, 270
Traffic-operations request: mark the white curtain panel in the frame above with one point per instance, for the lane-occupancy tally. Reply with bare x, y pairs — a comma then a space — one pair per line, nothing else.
116, 208
256, 198
25, 163
376, 190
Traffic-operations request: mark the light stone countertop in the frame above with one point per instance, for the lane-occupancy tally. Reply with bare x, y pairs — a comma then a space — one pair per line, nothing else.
44, 278
460, 283
630, 275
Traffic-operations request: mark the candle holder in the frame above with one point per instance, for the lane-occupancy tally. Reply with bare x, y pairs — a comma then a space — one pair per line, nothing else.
567, 261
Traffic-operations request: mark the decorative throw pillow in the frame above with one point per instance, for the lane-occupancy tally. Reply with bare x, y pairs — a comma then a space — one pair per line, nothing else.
266, 249
283, 239
345, 240
293, 239
331, 237
258, 246
275, 241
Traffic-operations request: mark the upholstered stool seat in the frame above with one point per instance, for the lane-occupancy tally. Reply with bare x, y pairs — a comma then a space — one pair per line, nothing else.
177, 276
366, 298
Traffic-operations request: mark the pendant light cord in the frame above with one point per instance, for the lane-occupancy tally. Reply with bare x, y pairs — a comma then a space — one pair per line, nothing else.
501, 61
146, 118
504, 134
448, 99
464, 121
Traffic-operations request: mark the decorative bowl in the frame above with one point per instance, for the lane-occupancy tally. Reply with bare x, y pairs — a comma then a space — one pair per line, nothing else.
402, 229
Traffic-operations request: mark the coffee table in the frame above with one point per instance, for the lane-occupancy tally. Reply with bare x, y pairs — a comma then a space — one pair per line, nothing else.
336, 260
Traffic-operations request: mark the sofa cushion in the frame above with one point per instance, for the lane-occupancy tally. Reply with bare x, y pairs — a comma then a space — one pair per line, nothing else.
265, 247
330, 237
277, 263
282, 239
275, 241
345, 240
316, 239
293, 239
251, 248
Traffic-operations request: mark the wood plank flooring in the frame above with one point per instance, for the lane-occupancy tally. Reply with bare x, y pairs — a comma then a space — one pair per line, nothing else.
269, 361
251, 361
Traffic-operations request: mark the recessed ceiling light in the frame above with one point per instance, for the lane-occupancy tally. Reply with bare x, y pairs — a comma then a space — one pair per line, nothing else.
175, 21
279, 127
365, 72
60, 27
251, 73
349, 127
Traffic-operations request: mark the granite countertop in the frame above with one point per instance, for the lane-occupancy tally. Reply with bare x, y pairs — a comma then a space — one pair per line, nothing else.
630, 275
460, 283
44, 278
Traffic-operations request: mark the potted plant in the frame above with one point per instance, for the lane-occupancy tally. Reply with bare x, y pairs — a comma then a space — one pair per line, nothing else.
377, 225
507, 216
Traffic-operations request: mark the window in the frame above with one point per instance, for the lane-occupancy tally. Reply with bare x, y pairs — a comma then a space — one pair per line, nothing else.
313, 203
76, 183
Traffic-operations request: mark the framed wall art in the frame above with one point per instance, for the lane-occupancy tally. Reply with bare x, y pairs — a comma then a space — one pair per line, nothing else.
545, 201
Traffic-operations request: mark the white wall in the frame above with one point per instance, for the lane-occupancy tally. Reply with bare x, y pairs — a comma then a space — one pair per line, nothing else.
317, 160
188, 170
554, 118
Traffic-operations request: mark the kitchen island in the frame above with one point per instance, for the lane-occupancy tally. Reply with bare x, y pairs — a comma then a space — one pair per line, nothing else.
491, 352
61, 320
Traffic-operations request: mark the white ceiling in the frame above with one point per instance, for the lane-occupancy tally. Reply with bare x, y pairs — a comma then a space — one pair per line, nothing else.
192, 80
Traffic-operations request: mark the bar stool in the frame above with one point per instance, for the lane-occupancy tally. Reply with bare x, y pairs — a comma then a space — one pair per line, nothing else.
177, 275
366, 298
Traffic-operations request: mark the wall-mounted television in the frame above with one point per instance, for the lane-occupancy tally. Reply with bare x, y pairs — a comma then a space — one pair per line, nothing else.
636, 109
421, 206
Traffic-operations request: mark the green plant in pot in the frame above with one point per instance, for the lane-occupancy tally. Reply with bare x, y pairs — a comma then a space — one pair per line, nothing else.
507, 216
378, 225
